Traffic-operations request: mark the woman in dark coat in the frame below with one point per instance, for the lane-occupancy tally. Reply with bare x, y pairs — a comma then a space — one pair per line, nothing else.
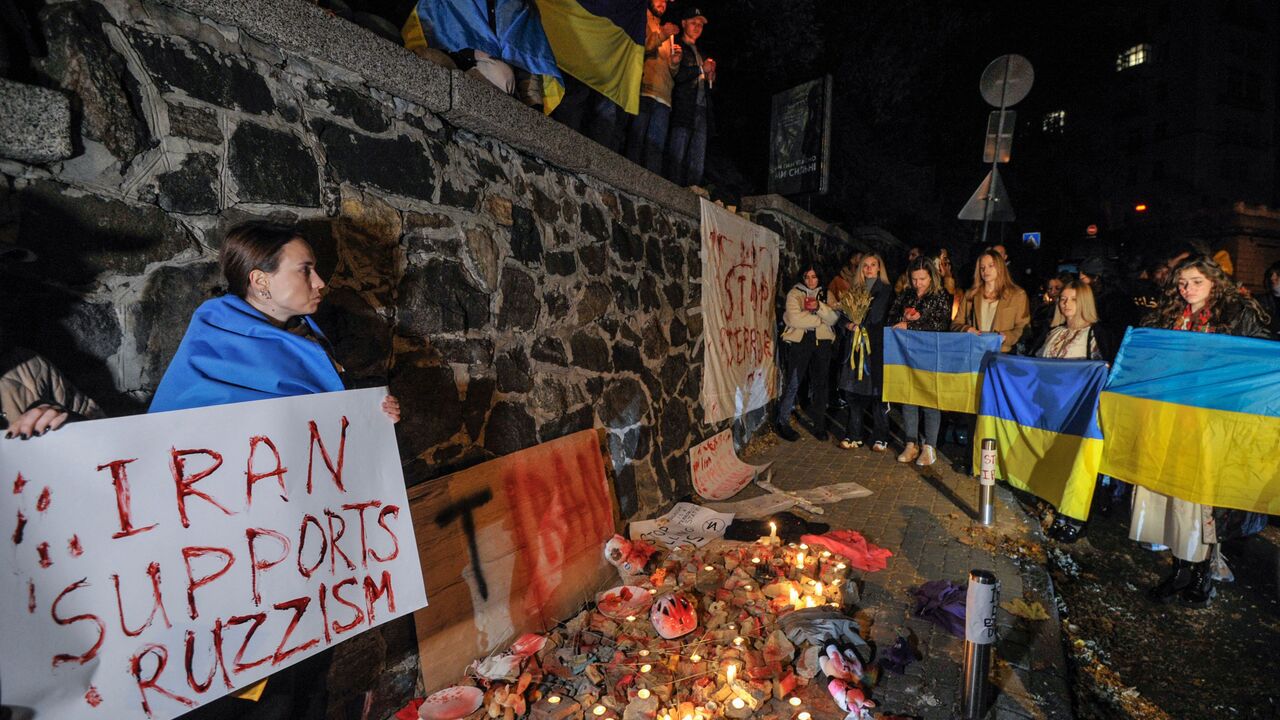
863, 354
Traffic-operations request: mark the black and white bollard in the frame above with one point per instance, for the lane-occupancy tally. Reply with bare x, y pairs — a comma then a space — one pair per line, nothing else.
987, 483
979, 638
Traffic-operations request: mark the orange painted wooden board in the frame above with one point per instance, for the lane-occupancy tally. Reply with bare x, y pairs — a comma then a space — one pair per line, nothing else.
510, 546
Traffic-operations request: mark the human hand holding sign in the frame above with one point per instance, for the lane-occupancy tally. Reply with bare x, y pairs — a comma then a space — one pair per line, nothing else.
37, 421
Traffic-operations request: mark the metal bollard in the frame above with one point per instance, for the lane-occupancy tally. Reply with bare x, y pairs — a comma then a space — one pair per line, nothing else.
987, 483
979, 637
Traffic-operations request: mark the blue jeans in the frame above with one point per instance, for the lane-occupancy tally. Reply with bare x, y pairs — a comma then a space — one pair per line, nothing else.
686, 152
911, 424
647, 138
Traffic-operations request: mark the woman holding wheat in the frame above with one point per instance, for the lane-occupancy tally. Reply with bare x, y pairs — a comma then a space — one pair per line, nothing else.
864, 307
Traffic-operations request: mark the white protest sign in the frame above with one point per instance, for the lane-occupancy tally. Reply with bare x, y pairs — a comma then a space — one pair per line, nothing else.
739, 284
981, 600
684, 524
161, 561
717, 472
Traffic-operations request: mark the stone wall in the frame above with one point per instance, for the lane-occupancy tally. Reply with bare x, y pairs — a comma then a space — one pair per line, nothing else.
511, 281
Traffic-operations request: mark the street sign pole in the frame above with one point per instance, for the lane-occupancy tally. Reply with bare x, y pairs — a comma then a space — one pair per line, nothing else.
995, 160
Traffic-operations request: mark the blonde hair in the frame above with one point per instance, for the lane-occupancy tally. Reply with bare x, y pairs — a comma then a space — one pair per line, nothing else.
1086, 308
884, 276
1004, 283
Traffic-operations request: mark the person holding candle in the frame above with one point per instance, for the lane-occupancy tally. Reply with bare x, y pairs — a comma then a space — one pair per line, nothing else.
808, 338
925, 305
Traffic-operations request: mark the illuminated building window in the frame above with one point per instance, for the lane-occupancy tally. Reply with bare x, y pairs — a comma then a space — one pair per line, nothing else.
1054, 122
1135, 55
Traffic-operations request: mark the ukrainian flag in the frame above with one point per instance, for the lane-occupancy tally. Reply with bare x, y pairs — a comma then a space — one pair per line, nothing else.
1196, 416
515, 36
1043, 415
935, 370
600, 42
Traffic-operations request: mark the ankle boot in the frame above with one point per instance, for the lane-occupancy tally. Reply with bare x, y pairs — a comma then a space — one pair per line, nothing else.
1200, 590
1177, 579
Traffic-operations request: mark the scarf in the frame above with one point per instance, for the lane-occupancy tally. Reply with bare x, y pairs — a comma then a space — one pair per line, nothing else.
231, 353
1199, 322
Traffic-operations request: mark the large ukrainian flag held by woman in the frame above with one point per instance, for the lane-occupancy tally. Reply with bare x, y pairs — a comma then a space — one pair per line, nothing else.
1043, 415
1196, 416
935, 369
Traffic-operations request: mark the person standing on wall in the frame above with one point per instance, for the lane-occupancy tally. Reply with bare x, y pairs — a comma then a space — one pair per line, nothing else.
807, 341
690, 104
647, 136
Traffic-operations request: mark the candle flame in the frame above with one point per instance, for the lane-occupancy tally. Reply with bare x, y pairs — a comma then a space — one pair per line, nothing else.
731, 672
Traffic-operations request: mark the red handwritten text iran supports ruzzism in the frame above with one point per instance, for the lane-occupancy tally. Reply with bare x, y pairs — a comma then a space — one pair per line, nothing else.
335, 549
747, 287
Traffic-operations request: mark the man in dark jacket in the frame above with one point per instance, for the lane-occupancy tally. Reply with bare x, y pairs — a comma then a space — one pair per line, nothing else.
690, 104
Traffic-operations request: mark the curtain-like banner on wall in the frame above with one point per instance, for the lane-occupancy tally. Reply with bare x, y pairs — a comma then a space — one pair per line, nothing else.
739, 281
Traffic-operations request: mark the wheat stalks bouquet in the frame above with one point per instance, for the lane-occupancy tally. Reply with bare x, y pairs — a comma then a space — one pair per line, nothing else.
853, 303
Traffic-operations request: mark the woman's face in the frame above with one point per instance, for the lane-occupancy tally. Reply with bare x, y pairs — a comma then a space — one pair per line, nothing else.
294, 287
810, 279
1067, 303
1194, 287
987, 266
1274, 282
870, 267
1053, 288
944, 264
920, 280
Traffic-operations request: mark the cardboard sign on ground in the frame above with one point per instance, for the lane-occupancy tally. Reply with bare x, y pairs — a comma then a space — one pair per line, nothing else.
717, 472
513, 545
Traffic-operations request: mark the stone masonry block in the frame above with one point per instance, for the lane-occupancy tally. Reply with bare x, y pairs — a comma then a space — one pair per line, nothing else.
37, 123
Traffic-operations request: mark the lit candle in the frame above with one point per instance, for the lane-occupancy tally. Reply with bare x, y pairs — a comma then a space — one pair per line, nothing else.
826, 553
643, 693
803, 546
803, 716
800, 561
644, 653
646, 668
738, 703
738, 640
695, 658
817, 588
773, 530
598, 710
631, 618
708, 568
747, 588
553, 699
731, 671
795, 701
755, 561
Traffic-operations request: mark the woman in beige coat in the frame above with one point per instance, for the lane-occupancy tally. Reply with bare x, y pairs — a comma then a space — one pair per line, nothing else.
807, 342
994, 303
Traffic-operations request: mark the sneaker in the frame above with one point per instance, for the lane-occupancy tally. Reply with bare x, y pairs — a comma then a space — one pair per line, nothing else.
786, 432
928, 456
909, 453
879, 446
848, 444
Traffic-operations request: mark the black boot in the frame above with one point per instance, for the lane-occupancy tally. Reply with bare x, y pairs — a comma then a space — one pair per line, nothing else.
1200, 590
1178, 579
786, 432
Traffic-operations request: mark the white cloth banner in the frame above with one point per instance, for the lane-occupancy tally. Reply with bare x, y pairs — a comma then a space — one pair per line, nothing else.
158, 562
739, 282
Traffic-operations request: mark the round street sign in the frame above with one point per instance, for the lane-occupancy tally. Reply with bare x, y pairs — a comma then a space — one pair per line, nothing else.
1006, 81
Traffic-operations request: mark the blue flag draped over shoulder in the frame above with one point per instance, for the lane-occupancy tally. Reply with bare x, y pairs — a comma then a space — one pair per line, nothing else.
1043, 415
935, 369
1196, 416
231, 354
516, 36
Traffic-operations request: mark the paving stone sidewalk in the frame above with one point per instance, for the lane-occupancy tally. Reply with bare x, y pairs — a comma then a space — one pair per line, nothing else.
928, 518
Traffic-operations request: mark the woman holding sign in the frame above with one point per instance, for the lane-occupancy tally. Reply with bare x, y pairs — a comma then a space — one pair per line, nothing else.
258, 342
1200, 298
924, 305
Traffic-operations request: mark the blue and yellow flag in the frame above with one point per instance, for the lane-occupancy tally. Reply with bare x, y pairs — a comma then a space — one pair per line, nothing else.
600, 42
935, 370
1196, 416
514, 36
1043, 415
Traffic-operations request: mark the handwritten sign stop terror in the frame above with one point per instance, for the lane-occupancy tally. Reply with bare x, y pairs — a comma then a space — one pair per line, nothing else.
739, 282
158, 562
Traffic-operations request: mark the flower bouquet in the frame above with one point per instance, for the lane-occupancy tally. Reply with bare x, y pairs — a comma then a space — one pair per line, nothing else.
853, 303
